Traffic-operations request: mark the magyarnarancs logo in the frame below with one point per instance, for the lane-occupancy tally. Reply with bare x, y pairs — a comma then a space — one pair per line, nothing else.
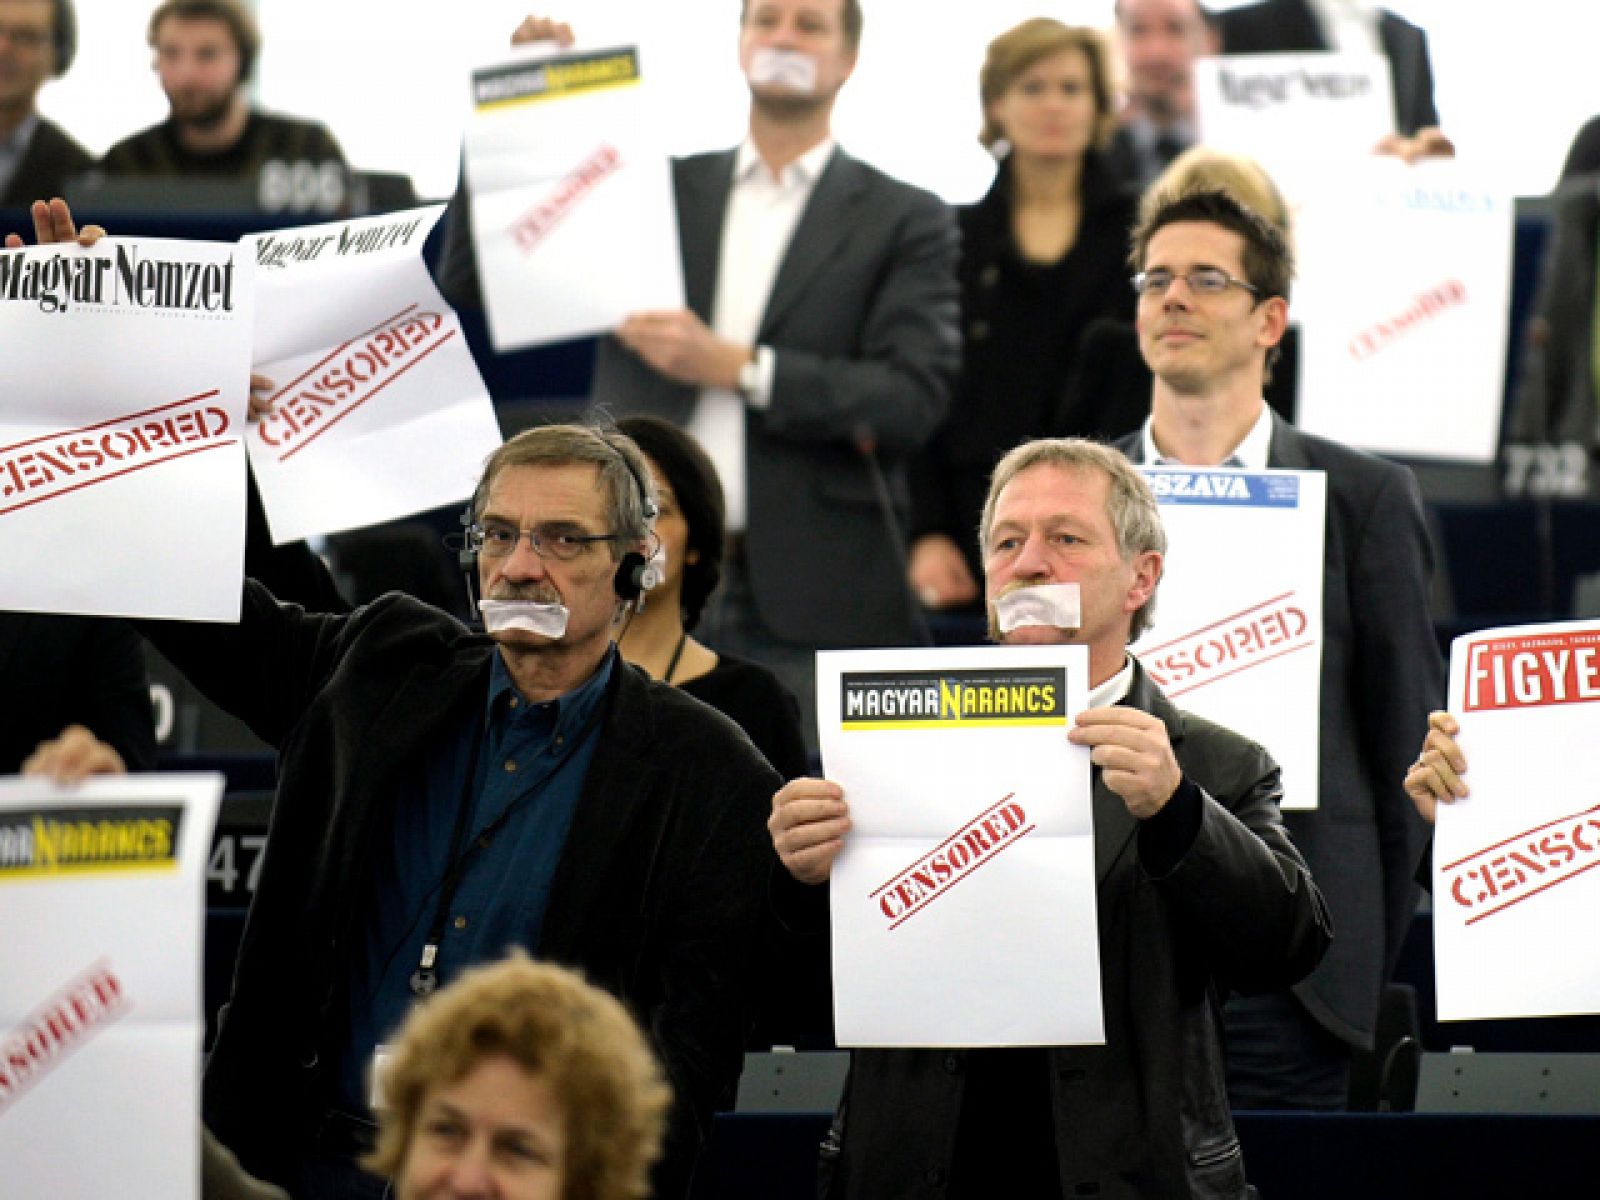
976, 699
89, 841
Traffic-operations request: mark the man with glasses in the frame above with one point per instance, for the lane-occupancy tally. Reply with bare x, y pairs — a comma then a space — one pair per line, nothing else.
444, 795
37, 42
1213, 285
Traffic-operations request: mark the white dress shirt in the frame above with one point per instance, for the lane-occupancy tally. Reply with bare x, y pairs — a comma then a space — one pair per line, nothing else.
1251, 453
763, 210
1348, 26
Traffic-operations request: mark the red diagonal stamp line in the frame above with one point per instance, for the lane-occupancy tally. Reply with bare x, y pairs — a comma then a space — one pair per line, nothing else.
978, 842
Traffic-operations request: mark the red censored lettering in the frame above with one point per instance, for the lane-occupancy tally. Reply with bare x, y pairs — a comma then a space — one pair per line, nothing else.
1001, 825
544, 216
345, 379
1535, 670
1247, 639
61, 1025
1509, 872
48, 467
1425, 307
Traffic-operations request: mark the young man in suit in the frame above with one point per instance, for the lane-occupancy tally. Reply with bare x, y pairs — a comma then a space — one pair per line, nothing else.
1213, 288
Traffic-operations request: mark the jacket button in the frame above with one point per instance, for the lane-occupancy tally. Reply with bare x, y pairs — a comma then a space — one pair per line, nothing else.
308, 1059
989, 276
978, 330
952, 1063
935, 1176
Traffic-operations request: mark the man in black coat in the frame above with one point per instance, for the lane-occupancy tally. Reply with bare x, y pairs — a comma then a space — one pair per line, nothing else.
1213, 305
443, 795
38, 39
1292, 26
1198, 892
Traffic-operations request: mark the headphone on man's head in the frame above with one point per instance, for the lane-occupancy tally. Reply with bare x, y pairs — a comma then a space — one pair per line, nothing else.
635, 575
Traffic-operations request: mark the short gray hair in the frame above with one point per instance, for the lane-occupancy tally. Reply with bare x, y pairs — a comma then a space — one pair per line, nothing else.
624, 474
1131, 505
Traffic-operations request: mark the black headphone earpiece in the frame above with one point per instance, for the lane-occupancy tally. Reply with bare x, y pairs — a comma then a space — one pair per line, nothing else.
629, 581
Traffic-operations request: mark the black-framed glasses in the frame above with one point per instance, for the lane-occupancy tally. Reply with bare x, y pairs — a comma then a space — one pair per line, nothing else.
494, 540
22, 35
1202, 281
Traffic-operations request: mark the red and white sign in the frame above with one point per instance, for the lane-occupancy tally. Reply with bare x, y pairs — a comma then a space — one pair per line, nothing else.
1513, 863
1237, 637
102, 893
379, 411
123, 381
967, 879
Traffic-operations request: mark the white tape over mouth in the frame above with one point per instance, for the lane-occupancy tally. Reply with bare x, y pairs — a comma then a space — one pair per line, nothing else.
785, 68
1055, 605
532, 616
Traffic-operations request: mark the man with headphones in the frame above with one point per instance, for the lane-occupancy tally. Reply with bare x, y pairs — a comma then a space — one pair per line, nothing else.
204, 53
444, 795
37, 41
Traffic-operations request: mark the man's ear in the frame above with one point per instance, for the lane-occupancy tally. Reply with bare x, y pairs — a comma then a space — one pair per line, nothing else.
1147, 569
1276, 311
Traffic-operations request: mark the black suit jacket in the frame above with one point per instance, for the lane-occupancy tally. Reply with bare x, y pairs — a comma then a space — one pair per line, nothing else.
1288, 26
657, 898
863, 320
50, 158
1382, 674
1146, 1114
58, 671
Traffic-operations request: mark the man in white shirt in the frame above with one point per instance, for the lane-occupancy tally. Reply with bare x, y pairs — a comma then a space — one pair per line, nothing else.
1213, 287
817, 350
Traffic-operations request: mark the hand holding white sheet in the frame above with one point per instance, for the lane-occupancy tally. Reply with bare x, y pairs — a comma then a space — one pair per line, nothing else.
964, 900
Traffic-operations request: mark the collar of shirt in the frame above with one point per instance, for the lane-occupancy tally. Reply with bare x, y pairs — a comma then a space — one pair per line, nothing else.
1145, 133
563, 716
1251, 453
802, 172
1115, 689
1349, 26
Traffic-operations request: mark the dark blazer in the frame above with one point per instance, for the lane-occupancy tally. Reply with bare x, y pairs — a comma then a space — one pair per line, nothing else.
657, 898
1382, 674
1146, 1114
1021, 326
1288, 26
58, 671
42, 173
863, 319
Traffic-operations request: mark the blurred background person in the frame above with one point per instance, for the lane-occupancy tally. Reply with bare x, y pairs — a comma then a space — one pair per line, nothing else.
793, 997
1342, 26
205, 51
1159, 41
1041, 258
38, 39
656, 638
522, 1082
1108, 392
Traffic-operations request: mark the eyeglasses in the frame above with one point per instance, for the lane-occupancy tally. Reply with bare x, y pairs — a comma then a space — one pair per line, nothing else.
1202, 281
500, 541
28, 39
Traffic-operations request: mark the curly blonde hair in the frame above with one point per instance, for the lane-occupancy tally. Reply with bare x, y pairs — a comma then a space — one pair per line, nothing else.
576, 1038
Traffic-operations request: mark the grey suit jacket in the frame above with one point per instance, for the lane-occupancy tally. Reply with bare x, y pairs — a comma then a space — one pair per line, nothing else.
1286, 26
863, 318
1382, 674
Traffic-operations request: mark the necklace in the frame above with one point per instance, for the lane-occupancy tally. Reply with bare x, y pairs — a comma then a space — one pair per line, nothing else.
677, 653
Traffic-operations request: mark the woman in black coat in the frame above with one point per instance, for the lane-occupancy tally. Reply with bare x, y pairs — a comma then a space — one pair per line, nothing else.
1043, 255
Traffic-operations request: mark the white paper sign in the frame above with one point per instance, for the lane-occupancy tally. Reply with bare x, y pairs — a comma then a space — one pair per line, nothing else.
1514, 889
964, 901
1403, 288
572, 209
1281, 108
1238, 632
378, 409
123, 378
101, 899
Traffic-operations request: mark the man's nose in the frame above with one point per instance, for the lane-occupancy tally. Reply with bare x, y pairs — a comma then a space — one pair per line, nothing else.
524, 562
1032, 561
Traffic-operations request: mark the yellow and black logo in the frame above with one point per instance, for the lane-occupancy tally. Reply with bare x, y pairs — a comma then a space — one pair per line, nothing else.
78, 841
524, 83
953, 699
